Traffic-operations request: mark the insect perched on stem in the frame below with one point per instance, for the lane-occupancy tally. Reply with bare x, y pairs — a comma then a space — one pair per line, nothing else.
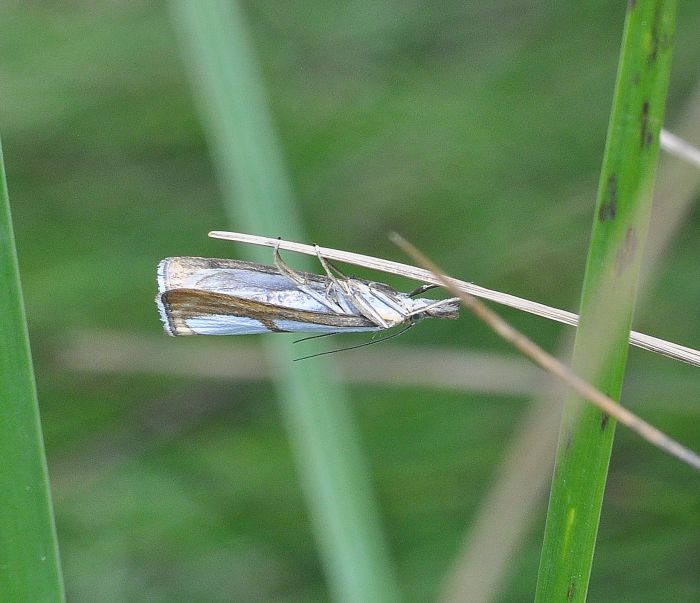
202, 296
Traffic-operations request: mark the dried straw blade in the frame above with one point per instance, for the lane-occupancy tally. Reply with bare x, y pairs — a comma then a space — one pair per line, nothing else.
551, 364
647, 342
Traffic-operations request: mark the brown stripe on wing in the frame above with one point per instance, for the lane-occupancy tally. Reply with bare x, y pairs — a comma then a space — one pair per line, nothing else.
183, 304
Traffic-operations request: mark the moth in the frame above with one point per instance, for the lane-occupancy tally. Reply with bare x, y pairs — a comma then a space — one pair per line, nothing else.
203, 296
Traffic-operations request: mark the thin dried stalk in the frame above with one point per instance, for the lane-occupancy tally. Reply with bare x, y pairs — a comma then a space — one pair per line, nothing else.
674, 145
551, 364
647, 342
480, 569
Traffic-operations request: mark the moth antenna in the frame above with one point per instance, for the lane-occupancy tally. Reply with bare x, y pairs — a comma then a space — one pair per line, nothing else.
354, 347
314, 337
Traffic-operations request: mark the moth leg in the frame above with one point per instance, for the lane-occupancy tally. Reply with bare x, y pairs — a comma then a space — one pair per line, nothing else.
366, 309
345, 286
328, 267
335, 284
332, 292
301, 283
331, 269
389, 300
286, 270
437, 304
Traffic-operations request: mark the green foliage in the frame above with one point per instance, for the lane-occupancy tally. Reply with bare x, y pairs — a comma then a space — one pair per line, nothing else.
600, 354
474, 129
29, 563
259, 199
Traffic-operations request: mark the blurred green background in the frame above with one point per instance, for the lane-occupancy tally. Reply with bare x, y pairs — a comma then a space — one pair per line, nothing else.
477, 131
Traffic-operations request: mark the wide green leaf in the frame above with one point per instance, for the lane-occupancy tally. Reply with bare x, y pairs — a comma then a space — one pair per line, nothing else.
29, 562
600, 352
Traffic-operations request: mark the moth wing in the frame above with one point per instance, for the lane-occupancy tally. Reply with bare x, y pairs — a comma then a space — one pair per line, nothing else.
226, 276
201, 312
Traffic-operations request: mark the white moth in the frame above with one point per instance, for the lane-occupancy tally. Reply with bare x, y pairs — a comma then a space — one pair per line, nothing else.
202, 296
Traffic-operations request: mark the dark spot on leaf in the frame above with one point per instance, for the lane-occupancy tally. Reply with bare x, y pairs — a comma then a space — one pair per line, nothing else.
608, 210
626, 251
631, 4
571, 591
604, 421
654, 50
645, 134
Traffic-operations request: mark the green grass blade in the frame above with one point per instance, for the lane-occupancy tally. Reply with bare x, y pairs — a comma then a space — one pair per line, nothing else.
259, 199
29, 562
600, 353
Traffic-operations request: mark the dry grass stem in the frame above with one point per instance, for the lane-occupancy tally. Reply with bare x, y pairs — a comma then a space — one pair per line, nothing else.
551, 364
647, 342
680, 148
454, 370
